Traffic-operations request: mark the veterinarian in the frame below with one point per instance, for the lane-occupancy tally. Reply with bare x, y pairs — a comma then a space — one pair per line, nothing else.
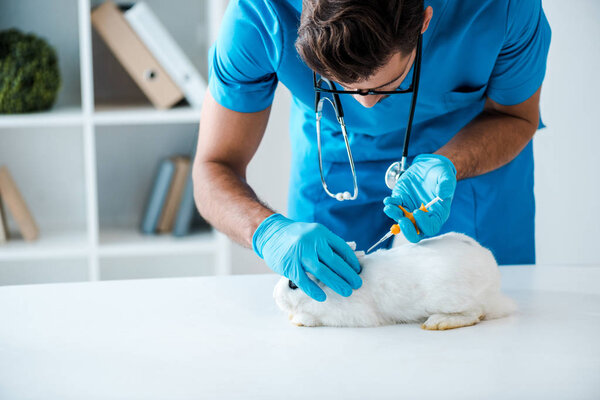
477, 109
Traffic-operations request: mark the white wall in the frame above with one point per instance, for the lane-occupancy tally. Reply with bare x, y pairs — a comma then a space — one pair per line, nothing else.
565, 152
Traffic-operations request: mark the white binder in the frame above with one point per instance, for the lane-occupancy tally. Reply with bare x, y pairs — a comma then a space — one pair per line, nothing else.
160, 43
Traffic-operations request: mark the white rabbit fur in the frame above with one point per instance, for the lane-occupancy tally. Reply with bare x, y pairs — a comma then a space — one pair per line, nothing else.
448, 281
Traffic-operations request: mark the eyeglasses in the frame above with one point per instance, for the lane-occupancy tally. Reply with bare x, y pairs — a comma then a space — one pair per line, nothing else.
318, 86
323, 85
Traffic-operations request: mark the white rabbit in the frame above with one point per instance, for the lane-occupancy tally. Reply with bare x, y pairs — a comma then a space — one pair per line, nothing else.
448, 281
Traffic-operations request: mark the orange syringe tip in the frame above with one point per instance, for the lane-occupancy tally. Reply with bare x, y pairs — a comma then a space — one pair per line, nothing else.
422, 208
395, 229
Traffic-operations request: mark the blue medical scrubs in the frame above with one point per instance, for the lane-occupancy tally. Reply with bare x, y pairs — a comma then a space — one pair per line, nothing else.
473, 49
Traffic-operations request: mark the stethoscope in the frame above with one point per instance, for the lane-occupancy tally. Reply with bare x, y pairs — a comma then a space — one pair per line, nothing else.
396, 169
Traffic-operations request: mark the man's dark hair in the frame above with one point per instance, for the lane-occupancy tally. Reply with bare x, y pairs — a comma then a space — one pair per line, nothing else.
348, 40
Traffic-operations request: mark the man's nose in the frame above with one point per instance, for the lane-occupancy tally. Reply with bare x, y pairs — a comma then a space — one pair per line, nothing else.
368, 101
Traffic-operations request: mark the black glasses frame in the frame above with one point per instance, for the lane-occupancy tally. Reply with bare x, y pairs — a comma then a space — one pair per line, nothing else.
362, 92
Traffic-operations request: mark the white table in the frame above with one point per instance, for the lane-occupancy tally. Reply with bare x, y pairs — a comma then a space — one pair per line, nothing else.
223, 337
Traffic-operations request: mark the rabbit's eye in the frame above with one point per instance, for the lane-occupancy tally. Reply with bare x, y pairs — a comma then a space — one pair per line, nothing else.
292, 285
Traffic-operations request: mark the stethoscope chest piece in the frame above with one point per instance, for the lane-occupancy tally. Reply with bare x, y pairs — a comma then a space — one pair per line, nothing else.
393, 173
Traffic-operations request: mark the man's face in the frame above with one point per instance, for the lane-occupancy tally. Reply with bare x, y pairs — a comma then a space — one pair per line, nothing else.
388, 77
391, 75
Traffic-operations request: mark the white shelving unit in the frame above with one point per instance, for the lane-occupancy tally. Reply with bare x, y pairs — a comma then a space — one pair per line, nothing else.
86, 166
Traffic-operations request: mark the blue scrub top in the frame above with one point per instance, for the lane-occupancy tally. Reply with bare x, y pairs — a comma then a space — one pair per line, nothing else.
473, 49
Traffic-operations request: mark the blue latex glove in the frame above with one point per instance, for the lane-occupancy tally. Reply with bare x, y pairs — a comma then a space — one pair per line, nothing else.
430, 175
294, 248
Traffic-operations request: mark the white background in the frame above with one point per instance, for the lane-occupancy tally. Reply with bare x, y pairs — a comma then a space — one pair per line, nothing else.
566, 178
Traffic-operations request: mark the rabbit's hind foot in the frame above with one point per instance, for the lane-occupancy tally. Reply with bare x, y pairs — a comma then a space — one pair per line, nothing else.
440, 322
302, 319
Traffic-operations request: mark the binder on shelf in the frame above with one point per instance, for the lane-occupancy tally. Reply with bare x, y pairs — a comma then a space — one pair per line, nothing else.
158, 195
135, 57
12, 198
166, 51
167, 218
3, 224
187, 208
188, 218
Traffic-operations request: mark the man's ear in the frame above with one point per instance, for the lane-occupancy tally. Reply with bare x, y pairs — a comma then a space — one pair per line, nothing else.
427, 19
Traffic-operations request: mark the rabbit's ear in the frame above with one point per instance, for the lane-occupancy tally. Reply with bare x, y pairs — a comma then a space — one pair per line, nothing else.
352, 245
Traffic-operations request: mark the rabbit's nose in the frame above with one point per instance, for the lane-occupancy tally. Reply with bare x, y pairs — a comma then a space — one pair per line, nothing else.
292, 285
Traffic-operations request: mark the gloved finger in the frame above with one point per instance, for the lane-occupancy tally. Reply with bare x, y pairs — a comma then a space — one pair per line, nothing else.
446, 189
338, 265
405, 199
394, 212
344, 251
429, 223
310, 288
327, 276
392, 201
409, 231
442, 209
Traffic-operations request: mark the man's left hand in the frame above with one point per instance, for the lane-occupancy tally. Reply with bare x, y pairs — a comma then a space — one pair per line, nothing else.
430, 175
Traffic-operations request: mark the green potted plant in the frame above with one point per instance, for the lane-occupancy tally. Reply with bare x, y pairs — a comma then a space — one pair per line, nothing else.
29, 74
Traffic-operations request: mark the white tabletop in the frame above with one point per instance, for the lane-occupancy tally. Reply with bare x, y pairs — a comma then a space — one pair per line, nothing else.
223, 337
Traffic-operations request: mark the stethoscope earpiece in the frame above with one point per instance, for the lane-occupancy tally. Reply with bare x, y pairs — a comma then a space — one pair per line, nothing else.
343, 196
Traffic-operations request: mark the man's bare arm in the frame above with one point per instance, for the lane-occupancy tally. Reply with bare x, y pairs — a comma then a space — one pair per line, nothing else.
227, 141
494, 138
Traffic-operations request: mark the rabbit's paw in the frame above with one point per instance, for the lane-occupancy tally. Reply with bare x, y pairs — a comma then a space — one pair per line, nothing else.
303, 319
440, 322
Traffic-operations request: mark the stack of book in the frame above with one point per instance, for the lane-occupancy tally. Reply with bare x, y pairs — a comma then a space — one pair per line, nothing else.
171, 207
15, 204
149, 54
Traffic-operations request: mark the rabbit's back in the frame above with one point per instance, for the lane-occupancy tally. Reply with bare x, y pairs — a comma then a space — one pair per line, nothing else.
442, 274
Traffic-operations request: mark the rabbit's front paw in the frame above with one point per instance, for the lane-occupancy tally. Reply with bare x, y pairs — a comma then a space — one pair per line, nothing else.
302, 319
440, 322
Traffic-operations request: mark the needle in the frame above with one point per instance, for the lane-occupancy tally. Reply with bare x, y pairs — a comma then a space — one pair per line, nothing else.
385, 237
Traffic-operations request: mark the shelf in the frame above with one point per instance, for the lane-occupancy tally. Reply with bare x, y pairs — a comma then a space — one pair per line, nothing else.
156, 266
90, 161
123, 242
143, 114
104, 115
51, 244
60, 116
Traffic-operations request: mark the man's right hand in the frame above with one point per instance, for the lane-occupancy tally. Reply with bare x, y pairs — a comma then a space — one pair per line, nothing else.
294, 248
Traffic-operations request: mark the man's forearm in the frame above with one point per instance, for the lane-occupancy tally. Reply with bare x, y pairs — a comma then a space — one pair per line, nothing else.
491, 140
227, 141
227, 202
